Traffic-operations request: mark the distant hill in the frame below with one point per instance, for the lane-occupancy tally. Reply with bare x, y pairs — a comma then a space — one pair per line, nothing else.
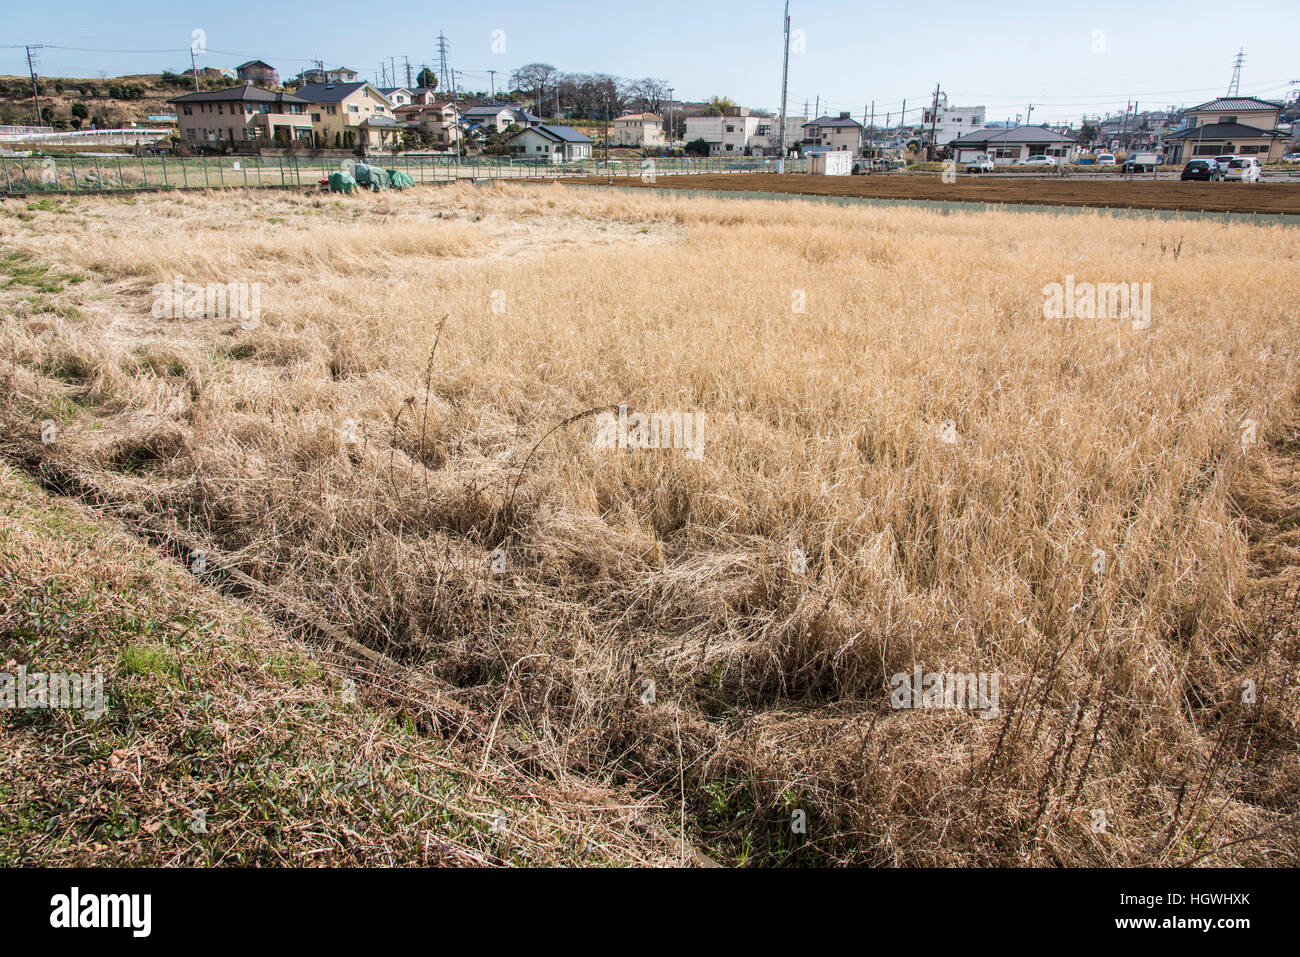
112, 102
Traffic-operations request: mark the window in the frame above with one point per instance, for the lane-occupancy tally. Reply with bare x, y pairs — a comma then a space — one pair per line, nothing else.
190, 133
331, 109
315, 117
355, 109
189, 111
1227, 119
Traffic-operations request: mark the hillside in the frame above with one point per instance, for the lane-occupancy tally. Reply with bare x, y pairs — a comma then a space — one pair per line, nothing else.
109, 102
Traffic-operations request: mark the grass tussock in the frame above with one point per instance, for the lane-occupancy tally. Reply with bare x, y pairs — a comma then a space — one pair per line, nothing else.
882, 394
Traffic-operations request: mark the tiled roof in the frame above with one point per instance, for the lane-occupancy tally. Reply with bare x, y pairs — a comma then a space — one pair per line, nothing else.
236, 94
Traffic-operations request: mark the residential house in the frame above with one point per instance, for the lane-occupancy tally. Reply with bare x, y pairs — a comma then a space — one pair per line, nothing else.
729, 134
438, 119
950, 122
336, 75
397, 95
833, 133
1244, 125
550, 144
346, 115
644, 130
766, 138
424, 96
242, 116
257, 72
499, 117
1006, 145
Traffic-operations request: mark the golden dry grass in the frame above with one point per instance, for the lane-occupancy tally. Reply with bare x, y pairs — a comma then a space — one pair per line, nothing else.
1121, 692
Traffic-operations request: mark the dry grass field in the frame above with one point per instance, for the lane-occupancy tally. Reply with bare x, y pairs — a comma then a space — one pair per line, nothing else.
903, 465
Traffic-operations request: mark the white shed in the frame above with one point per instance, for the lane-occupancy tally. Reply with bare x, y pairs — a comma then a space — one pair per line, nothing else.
831, 163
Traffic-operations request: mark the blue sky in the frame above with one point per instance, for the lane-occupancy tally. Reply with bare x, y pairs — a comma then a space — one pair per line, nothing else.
1002, 55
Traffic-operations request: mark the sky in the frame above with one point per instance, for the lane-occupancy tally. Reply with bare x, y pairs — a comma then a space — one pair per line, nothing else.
1046, 64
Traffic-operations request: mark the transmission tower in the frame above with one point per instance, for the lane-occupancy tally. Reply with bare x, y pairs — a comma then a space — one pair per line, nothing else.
444, 75
1234, 88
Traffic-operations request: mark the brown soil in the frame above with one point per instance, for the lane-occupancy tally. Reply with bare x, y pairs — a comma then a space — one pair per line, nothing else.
1137, 194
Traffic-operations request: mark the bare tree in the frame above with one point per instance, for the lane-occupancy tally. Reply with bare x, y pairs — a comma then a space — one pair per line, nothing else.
648, 94
536, 80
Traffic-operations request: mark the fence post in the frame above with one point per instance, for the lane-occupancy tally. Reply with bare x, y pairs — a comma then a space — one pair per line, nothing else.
76, 186
144, 173
99, 175
9, 187
204, 161
163, 160
121, 183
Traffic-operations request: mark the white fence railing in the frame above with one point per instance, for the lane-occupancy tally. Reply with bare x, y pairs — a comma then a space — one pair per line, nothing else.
122, 137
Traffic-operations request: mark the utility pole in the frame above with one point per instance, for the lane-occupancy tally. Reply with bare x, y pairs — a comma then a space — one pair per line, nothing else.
194, 68
455, 112
407, 60
934, 119
817, 110
873, 123
785, 78
492, 75
392, 72
31, 68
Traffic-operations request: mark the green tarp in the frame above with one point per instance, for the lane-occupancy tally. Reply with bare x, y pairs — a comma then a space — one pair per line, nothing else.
342, 183
370, 176
399, 180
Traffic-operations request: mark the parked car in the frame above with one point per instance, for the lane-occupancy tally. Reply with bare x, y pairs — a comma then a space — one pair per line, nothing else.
1105, 159
1243, 169
982, 163
1199, 169
1038, 159
1291, 158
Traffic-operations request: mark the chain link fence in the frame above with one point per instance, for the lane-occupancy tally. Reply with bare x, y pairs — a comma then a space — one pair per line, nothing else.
109, 173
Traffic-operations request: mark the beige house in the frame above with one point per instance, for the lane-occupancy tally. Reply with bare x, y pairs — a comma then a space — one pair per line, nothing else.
1244, 125
837, 133
638, 129
242, 116
347, 115
438, 119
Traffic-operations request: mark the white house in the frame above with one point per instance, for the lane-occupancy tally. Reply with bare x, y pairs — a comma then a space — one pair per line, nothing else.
730, 134
638, 129
397, 95
500, 117
766, 137
550, 144
950, 122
